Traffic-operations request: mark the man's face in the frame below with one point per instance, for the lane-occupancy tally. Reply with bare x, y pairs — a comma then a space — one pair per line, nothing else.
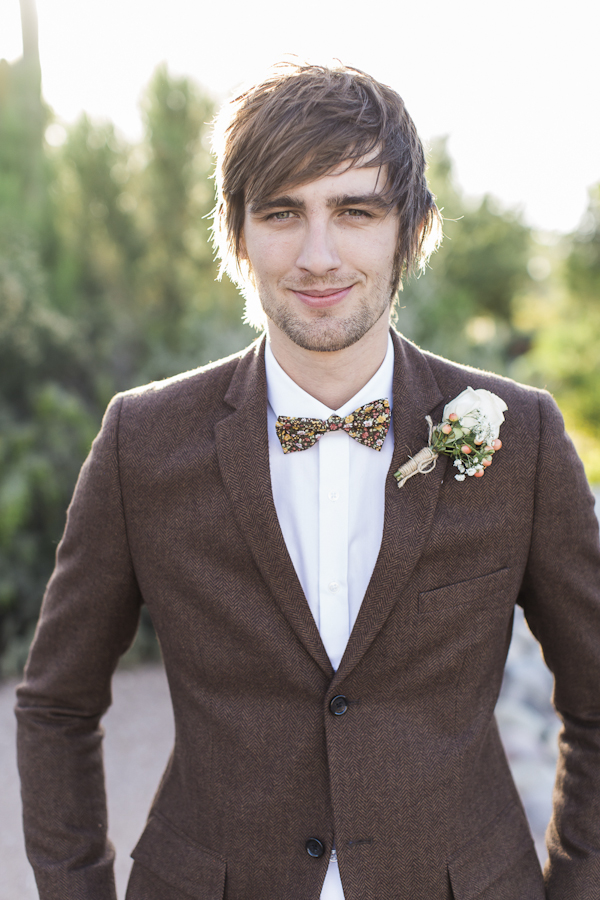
322, 258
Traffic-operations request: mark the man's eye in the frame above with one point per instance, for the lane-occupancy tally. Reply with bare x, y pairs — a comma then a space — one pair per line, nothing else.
281, 216
357, 213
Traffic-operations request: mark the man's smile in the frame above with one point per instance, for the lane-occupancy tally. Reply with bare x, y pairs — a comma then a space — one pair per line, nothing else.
322, 299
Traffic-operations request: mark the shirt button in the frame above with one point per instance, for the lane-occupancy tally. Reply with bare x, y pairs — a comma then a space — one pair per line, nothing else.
333, 495
333, 587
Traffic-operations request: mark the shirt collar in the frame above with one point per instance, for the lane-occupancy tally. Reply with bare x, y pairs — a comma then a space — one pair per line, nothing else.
286, 398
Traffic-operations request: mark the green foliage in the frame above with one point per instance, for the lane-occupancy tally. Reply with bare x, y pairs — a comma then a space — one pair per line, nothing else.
462, 307
107, 283
45, 431
23, 118
583, 264
565, 356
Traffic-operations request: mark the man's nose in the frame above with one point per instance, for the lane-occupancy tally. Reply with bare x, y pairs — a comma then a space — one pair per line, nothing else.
318, 253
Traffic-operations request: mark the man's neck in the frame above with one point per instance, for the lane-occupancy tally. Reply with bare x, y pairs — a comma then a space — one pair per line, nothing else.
333, 377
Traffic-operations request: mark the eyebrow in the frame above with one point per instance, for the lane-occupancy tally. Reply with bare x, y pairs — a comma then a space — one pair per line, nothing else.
289, 202
372, 199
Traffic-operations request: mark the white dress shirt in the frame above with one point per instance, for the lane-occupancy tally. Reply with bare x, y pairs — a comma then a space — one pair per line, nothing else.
330, 503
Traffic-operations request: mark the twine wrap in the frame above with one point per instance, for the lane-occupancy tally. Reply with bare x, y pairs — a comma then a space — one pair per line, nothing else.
420, 464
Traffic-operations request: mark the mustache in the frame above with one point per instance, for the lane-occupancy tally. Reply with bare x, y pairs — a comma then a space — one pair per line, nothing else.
310, 283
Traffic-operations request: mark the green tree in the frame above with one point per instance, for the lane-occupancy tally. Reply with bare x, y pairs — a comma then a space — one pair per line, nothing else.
462, 306
23, 118
565, 356
45, 429
112, 286
189, 316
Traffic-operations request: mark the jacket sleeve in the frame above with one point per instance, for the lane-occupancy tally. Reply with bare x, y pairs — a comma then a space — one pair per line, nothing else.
88, 619
561, 600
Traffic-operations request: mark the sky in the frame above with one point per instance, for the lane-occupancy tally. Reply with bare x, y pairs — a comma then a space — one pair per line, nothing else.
515, 86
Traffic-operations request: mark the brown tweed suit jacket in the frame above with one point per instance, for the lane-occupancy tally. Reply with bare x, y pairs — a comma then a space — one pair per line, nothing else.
174, 509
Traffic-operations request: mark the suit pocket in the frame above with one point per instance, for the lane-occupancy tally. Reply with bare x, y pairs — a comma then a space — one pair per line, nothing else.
499, 862
487, 590
184, 868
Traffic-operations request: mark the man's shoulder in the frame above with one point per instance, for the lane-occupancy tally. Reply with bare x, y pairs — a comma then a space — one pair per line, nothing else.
205, 387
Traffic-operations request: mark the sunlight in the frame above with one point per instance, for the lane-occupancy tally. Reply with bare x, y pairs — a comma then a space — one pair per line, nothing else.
491, 87
11, 44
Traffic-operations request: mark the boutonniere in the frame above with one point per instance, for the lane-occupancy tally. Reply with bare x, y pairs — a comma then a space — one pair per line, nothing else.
468, 433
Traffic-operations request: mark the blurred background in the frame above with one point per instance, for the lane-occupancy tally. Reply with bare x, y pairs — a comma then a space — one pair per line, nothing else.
107, 277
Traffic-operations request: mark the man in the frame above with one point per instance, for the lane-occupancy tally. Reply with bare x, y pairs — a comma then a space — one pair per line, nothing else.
334, 645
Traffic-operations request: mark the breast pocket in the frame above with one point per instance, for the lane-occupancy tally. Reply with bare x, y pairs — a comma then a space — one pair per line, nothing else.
169, 866
484, 591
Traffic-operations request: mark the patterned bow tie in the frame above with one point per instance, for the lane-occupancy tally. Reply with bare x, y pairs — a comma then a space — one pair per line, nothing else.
367, 425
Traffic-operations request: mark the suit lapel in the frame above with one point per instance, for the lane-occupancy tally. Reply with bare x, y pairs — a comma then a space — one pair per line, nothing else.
243, 454
409, 510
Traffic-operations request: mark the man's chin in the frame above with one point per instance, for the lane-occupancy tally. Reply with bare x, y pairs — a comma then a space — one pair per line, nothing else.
325, 334
324, 343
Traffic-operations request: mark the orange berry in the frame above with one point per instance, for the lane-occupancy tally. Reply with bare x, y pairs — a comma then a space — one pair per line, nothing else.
465, 448
453, 417
447, 429
486, 462
479, 474
497, 444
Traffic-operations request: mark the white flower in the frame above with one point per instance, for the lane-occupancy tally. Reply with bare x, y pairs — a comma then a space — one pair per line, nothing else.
470, 437
480, 410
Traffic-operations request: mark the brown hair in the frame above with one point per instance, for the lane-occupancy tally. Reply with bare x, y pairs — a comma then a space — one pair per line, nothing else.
297, 125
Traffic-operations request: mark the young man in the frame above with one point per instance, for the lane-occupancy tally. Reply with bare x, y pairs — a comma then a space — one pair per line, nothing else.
334, 645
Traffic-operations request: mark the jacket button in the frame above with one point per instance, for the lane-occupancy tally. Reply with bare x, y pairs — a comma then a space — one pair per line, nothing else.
339, 705
314, 848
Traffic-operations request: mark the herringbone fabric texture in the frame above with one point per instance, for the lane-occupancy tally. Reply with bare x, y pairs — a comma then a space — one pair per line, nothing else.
174, 509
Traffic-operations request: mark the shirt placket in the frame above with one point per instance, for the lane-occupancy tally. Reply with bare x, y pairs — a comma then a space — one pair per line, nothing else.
334, 475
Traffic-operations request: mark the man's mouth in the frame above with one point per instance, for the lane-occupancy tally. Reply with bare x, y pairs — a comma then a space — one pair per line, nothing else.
322, 299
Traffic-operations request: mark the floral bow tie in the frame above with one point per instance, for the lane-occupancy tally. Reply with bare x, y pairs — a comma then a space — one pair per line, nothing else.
367, 425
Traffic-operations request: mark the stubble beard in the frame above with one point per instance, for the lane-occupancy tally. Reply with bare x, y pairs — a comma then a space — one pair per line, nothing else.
325, 332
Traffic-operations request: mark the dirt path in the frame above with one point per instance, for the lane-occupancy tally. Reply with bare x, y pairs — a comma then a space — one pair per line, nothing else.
139, 737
